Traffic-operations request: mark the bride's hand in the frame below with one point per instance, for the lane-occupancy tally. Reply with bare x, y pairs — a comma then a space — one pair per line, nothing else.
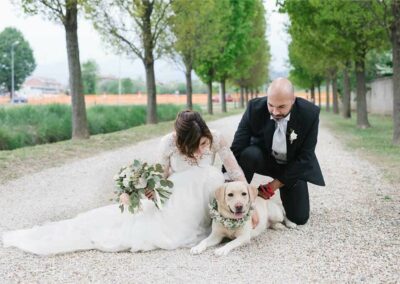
149, 194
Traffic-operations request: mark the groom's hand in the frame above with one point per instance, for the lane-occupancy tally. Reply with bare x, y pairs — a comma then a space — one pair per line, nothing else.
266, 191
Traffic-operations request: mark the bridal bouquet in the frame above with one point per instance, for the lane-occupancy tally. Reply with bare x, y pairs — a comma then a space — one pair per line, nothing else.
133, 180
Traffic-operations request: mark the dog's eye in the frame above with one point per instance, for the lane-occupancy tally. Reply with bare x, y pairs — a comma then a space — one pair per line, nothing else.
230, 194
244, 193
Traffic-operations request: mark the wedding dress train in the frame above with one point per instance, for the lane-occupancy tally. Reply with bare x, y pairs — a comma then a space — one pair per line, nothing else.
183, 221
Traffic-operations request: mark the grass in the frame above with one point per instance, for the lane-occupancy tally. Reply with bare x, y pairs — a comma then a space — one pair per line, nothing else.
375, 143
31, 125
28, 160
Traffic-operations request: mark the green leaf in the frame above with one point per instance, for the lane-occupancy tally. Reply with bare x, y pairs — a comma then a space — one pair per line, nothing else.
136, 163
159, 168
151, 184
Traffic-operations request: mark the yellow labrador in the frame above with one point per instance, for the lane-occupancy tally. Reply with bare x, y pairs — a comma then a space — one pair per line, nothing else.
232, 217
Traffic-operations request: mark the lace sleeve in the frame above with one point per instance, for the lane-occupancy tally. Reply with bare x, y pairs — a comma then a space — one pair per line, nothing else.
227, 157
165, 151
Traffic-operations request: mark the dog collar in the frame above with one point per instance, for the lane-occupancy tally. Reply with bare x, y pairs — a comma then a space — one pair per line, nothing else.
229, 223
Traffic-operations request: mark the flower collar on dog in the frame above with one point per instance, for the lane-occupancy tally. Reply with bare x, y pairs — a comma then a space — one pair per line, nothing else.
227, 222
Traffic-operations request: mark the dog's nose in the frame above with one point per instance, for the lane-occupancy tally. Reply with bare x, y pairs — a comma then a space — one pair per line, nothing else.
239, 208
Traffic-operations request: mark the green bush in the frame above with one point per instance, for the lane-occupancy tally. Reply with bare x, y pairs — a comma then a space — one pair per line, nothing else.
30, 125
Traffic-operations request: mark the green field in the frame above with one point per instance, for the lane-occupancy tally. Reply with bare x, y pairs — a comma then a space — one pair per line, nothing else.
31, 125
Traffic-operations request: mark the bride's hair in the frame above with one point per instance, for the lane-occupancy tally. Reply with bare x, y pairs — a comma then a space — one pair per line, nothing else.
190, 128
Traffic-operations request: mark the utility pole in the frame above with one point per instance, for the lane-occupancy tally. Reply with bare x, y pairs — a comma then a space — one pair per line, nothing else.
12, 70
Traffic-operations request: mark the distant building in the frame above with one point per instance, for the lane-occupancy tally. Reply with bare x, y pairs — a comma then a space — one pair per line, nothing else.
35, 86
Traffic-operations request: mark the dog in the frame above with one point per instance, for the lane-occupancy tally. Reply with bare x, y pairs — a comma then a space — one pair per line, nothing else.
232, 217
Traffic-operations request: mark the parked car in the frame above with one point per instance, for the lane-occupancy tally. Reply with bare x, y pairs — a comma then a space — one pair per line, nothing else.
228, 98
19, 100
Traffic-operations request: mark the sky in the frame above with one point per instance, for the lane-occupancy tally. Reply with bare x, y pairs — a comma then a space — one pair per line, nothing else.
47, 39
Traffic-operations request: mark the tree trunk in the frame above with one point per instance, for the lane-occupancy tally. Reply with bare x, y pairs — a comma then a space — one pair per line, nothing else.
362, 114
241, 103
247, 95
328, 107
346, 111
312, 90
335, 102
209, 98
223, 98
148, 62
188, 74
252, 93
257, 92
151, 93
395, 37
319, 95
79, 119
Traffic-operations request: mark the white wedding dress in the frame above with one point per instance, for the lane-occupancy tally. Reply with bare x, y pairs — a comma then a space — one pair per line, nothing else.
183, 221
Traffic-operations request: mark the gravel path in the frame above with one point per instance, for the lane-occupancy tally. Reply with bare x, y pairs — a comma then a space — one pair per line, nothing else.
352, 234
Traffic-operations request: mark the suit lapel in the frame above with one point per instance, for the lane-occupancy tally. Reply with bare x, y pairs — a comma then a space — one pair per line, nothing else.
269, 130
291, 126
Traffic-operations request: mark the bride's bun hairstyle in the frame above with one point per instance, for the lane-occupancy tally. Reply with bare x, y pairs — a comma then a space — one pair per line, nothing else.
190, 128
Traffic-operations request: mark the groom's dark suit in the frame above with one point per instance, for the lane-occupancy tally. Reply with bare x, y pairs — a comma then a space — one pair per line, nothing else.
252, 147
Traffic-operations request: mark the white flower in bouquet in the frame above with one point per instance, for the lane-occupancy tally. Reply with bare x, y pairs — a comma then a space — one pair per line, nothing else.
125, 182
141, 183
132, 181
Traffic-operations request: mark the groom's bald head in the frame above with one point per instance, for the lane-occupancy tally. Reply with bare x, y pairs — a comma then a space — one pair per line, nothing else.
281, 87
280, 97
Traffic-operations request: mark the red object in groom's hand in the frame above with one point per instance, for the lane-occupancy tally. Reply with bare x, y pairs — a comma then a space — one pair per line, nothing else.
265, 191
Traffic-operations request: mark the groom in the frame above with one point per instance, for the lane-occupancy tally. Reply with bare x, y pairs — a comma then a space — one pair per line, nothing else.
277, 137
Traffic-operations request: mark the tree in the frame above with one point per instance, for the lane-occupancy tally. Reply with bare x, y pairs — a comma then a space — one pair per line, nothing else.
90, 73
238, 30
66, 13
251, 65
346, 26
395, 39
315, 50
387, 15
24, 62
127, 86
354, 22
135, 27
187, 27
346, 92
213, 40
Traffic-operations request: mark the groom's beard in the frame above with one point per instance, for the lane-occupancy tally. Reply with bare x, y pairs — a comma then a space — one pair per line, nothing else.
278, 117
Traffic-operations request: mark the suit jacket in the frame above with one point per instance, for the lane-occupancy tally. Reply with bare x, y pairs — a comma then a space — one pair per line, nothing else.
257, 127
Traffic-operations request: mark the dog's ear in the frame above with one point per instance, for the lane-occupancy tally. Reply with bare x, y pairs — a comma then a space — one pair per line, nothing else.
253, 192
220, 193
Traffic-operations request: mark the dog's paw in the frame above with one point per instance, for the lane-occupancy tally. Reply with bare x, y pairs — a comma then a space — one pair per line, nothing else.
277, 226
198, 249
289, 224
222, 251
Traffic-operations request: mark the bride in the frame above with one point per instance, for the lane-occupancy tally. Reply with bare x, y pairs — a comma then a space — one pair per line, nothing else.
187, 155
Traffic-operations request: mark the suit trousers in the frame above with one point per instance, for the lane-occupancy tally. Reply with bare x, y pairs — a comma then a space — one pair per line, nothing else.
295, 198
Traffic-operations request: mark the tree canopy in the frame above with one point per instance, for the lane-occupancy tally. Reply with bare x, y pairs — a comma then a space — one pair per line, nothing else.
24, 61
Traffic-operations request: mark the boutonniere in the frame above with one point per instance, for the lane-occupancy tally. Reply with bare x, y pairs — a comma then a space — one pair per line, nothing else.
292, 136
